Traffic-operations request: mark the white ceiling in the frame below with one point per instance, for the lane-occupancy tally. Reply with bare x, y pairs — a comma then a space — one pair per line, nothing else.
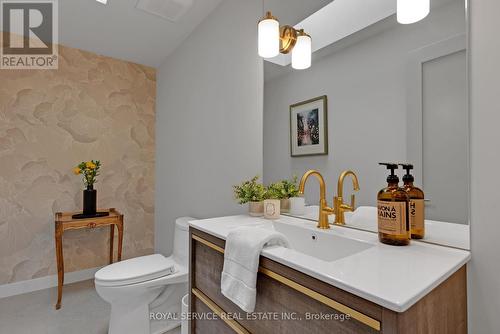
121, 31
291, 12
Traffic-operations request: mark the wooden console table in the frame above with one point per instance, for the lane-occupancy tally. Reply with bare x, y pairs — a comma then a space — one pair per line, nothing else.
64, 221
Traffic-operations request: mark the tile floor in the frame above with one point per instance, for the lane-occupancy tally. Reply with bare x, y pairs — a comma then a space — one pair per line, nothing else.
82, 312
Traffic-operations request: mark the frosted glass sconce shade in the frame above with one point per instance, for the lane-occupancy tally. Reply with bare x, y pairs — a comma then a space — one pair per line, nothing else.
411, 11
269, 36
301, 53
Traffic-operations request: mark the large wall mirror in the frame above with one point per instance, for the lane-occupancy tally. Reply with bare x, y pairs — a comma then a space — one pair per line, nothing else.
395, 93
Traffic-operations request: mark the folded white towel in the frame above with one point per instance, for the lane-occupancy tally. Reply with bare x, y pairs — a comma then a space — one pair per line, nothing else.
241, 263
365, 217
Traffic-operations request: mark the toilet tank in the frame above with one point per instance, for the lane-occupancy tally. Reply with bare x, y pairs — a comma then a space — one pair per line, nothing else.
181, 240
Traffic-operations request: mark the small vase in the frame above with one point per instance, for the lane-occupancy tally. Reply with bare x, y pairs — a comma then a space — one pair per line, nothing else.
272, 208
256, 209
285, 205
89, 201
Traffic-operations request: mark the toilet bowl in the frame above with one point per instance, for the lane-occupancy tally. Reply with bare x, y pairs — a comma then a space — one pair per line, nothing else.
145, 292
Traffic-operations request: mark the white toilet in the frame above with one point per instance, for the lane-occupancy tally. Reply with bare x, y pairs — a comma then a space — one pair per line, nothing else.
146, 285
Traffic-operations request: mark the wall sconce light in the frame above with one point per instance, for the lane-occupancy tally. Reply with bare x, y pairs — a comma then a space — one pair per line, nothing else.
411, 11
301, 53
274, 40
269, 36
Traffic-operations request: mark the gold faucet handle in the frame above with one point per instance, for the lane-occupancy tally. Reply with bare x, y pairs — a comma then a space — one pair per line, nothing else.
346, 207
328, 210
353, 202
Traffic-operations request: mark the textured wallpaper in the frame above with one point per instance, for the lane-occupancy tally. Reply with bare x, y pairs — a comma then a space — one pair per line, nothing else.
92, 107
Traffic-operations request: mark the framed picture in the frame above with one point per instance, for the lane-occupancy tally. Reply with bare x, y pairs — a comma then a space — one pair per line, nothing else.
309, 127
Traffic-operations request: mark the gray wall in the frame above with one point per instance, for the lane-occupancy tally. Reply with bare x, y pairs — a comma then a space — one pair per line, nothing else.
366, 88
209, 118
484, 274
444, 136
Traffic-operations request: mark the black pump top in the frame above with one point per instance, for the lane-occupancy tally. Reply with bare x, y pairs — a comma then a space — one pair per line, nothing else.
393, 178
407, 177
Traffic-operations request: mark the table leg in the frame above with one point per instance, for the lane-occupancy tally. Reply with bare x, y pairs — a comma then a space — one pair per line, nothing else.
60, 264
120, 239
111, 241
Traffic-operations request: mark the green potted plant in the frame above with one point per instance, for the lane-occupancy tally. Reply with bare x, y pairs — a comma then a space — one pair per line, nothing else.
284, 190
253, 193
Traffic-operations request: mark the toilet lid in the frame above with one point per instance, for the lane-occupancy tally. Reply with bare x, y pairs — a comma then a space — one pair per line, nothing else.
136, 270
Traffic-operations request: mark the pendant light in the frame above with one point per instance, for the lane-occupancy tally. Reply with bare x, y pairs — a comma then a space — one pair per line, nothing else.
269, 36
411, 11
301, 53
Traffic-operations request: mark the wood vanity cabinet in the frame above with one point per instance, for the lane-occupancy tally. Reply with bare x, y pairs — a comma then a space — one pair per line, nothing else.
287, 298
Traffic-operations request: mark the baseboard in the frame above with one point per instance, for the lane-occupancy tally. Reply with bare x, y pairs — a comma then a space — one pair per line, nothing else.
36, 284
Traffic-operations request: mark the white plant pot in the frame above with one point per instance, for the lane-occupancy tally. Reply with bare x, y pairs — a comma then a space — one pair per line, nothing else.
285, 205
297, 206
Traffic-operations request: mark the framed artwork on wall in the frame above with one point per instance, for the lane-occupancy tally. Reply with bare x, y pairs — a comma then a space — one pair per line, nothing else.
309, 127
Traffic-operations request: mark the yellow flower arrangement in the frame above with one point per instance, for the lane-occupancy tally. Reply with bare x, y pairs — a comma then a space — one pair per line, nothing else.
90, 165
89, 170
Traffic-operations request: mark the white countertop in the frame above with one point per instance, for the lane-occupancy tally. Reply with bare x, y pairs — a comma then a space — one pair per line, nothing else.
393, 277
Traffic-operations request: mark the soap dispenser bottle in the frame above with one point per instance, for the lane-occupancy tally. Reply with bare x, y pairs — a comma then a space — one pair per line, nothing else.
416, 206
392, 204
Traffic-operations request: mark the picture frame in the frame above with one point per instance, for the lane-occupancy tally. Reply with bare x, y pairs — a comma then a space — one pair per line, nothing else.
309, 127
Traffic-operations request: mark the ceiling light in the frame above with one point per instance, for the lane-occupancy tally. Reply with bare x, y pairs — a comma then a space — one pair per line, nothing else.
269, 36
411, 11
102, 1
301, 53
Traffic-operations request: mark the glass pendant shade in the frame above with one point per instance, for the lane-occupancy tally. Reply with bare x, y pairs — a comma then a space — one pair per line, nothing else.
301, 53
269, 37
411, 11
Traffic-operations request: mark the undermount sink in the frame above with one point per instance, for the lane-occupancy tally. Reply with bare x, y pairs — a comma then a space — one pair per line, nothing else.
321, 244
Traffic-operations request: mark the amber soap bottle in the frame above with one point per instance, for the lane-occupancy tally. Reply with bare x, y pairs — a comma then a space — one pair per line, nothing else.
392, 204
416, 205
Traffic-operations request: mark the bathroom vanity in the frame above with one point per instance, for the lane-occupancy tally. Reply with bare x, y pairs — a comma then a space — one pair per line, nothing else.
329, 281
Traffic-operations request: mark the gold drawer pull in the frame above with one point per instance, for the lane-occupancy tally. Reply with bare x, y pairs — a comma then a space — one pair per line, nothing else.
220, 312
361, 317
91, 225
208, 244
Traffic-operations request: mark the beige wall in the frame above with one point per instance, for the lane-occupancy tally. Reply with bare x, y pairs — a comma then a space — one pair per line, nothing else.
92, 107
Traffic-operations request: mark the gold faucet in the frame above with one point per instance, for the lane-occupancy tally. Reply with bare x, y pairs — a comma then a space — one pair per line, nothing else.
324, 209
338, 202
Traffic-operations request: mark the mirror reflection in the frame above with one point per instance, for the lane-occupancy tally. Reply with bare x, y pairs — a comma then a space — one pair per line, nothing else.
387, 92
